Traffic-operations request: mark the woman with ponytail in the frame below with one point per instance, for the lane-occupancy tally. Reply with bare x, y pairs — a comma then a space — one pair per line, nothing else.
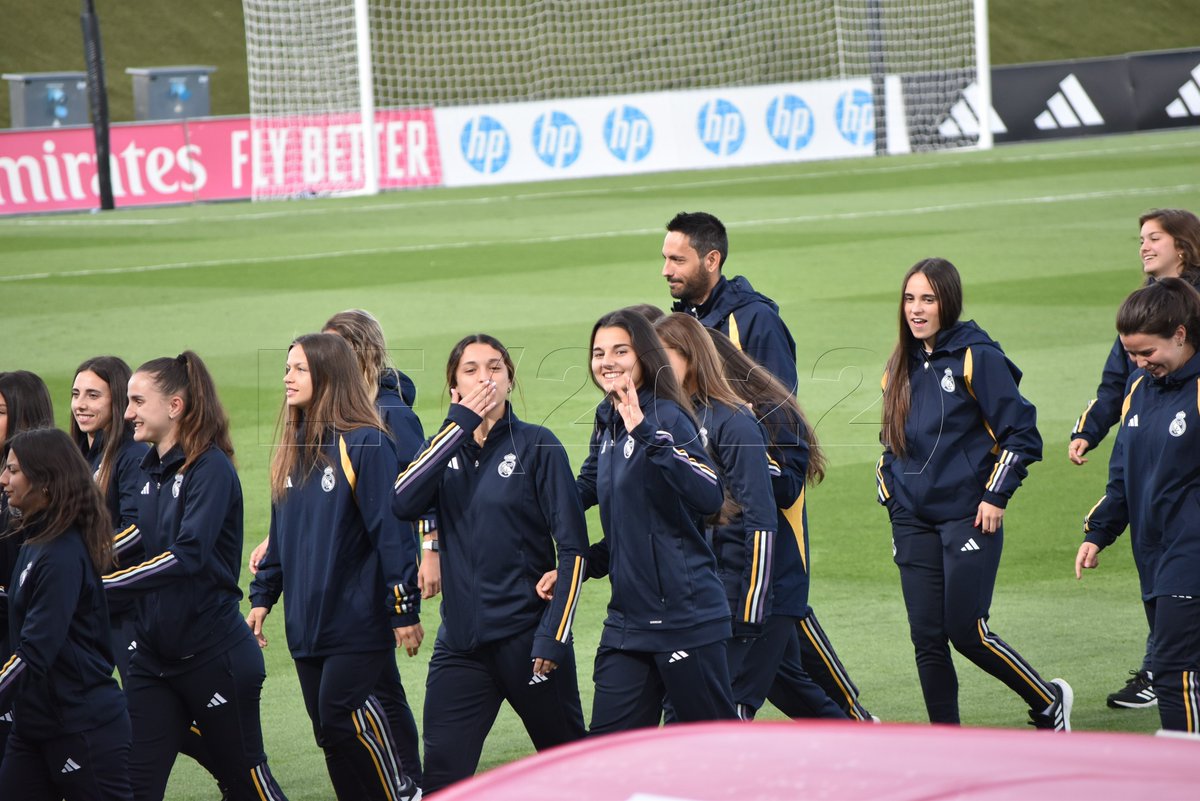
196, 662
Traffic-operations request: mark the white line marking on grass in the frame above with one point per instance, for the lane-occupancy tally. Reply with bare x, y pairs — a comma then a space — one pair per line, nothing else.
576, 237
413, 198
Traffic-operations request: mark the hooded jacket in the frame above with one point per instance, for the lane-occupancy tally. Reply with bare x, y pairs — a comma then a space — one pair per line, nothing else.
1104, 411
503, 508
651, 485
752, 321
970, 434
1154, 482
788, 456
745, 545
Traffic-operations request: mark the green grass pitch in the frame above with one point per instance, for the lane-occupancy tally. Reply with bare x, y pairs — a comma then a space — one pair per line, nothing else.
1045, 236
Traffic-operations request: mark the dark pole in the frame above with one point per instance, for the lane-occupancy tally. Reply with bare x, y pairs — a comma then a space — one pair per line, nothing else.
878, 63
97, 100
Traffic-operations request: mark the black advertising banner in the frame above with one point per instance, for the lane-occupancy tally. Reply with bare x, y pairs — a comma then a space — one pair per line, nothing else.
1062, 99
1166, 88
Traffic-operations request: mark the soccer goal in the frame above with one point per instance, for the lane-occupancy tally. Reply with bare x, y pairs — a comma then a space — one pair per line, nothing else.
317, 64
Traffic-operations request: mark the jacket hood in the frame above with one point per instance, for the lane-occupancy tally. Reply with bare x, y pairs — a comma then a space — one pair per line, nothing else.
396, 381
1188, 372
961, 335
729, 295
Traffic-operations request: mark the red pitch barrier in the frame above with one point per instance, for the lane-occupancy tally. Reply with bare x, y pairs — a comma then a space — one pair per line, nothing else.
847, 762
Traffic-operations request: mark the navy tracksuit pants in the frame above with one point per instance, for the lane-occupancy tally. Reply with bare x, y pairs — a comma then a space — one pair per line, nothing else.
755, 664
221, 696
463, 693
341, 693
810, 657
947, 573
88, 766
1176, 662
632, 685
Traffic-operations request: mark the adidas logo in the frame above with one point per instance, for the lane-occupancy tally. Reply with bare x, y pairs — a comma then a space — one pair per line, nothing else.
678, 656
216, 700
132, 645
146, 489
453, 465
1132, 422
538, 679
964, 116
1069, 108
7, 717
971, 545
70, 767
1188, 102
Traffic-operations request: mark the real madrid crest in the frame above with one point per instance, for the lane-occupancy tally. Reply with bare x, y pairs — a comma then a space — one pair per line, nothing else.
628, 447
948, 380
1178, 425
327, 480
175, 487
704, 436
506, 468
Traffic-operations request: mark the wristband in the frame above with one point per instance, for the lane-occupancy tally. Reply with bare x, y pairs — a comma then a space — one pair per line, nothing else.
429, 545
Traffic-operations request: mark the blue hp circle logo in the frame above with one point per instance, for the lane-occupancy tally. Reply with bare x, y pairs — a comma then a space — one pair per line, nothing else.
556, 139
855, 114
721, 127
628, 134
790, 122
485, 144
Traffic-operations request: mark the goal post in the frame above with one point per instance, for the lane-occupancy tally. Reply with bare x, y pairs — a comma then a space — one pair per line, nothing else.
338, 63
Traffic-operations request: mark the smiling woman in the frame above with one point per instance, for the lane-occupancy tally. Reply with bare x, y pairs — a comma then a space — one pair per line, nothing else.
958, 438
1153, 481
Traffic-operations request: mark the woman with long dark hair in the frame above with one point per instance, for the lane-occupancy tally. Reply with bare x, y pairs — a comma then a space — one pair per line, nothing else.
24, 405
1153, 484
1168, 247
796, 463
508, 511
345, 565
196, 662
958, 439
668, 620
105, 437
71, 733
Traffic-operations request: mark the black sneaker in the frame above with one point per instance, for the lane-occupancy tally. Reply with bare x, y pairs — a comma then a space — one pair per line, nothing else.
1138, 693
1057, 716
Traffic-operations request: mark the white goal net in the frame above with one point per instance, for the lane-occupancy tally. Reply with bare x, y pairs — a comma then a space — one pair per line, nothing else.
309, 61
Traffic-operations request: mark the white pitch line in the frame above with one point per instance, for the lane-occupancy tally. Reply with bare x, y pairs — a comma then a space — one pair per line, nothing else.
292, 208
576, 237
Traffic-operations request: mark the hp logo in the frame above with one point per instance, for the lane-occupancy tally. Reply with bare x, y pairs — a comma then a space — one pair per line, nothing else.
485, 144
556, 139
790, 122
721, 127
628, 134
855, 114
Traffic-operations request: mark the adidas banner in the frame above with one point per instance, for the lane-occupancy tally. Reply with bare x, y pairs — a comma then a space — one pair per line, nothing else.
1066, 98
1166, 88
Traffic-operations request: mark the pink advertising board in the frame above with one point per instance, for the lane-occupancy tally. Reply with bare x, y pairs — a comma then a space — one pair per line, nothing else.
159, 163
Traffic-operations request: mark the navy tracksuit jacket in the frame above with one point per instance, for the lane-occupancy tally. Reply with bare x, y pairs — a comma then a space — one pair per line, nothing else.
346, 564
501, 508
1154, 482
971, 436
124, 486
187, 590
745, 545
59, 678
752, 321
651, 485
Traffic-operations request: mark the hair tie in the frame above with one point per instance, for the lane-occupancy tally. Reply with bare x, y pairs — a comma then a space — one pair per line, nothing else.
182, 359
